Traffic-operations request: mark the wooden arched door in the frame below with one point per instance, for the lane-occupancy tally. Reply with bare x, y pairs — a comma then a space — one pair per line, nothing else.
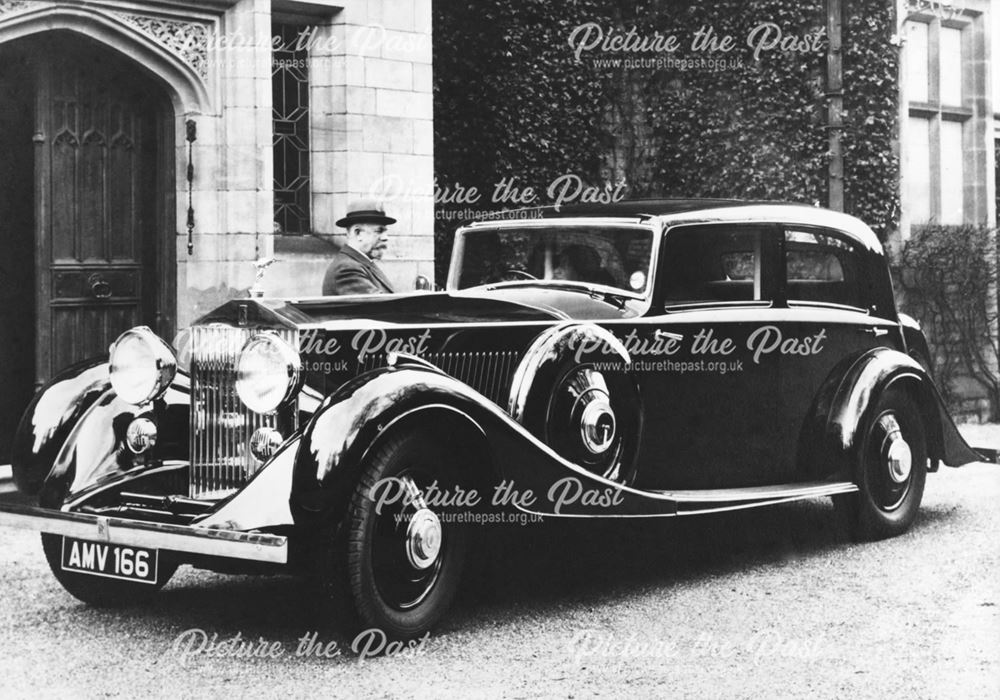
100, 157
86, 209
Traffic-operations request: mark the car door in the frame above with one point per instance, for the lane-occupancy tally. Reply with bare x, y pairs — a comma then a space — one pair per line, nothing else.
834, 291
710, 407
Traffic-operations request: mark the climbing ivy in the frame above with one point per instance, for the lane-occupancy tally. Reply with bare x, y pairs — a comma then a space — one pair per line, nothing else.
514, 103
871, 99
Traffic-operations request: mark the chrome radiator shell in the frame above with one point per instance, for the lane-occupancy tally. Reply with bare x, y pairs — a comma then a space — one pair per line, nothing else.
221, 426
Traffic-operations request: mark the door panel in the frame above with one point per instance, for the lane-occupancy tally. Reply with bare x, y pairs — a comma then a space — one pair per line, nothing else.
711, 417
827, 287
96, 163
711, 405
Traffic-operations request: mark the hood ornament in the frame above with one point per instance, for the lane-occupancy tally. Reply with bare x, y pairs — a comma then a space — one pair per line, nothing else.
260, 268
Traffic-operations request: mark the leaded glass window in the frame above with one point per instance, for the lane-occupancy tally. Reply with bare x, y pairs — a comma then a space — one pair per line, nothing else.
290, 89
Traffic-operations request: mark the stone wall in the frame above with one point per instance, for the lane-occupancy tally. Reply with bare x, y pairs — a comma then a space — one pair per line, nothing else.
371, 134
373, 137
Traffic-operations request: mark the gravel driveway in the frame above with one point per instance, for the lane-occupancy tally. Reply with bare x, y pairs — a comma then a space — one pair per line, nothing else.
754, 604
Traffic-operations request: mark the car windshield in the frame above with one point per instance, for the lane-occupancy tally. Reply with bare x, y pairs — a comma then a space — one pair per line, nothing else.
583, 256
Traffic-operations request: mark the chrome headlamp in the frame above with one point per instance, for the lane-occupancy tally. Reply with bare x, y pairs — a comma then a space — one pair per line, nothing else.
267, 373
142, 366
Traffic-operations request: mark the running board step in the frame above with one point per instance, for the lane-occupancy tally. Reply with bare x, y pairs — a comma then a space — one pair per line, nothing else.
626, 502
813, 489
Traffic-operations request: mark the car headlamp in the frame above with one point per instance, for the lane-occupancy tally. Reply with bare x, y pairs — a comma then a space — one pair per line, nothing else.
142, 366
267, 373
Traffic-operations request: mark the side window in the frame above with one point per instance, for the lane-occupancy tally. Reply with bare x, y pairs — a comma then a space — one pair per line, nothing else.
712, 265
821, 268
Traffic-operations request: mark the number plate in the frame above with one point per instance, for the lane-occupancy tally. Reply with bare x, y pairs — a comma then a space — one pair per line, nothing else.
109, 560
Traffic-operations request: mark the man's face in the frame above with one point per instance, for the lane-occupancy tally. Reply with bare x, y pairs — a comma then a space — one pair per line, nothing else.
370, 239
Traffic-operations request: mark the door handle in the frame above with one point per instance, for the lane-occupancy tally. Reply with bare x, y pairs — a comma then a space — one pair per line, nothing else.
99, 287
877, 332
659, 334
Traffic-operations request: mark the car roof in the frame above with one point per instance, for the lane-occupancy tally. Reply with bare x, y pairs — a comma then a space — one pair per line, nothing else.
701, 210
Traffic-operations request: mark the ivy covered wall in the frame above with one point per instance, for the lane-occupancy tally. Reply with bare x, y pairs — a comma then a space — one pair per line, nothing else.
517, 103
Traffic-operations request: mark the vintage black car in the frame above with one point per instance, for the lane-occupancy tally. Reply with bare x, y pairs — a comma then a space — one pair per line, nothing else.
635, 360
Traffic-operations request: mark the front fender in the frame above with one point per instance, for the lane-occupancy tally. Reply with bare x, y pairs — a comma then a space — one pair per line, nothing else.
858, 389
92, 452
49, 419
350, 422
347, 424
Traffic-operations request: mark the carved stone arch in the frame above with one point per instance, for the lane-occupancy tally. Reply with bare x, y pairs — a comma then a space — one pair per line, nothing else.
185, 87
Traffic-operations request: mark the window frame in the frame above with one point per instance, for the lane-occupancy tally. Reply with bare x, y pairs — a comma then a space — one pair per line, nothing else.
854, 249
766, 284
304, 197
935, 112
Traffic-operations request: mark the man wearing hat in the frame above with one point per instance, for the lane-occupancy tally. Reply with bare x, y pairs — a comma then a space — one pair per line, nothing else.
353, 270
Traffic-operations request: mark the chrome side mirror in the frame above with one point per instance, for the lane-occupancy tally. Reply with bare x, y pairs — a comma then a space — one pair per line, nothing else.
422, 284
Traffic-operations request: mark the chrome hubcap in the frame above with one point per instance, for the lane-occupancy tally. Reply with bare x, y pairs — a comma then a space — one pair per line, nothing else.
423, 539
895, 450
597, 425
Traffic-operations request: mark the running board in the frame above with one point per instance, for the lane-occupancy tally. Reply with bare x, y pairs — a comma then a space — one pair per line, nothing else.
812, 489
718, 501
633, 503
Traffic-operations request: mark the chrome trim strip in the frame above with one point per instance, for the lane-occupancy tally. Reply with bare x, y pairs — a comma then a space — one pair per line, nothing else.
833, 489
752, 493
178, 538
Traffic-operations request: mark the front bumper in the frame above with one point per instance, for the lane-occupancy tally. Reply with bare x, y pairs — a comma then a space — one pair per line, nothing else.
178, 538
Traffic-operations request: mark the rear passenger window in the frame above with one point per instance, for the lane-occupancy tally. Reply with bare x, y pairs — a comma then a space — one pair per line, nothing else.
821, 269
711, 265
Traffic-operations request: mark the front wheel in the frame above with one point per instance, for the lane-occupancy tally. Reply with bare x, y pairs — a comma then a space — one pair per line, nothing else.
403, 554
891, 471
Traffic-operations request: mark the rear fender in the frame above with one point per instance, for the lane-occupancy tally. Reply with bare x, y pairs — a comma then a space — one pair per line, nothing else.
916, 343
845, 403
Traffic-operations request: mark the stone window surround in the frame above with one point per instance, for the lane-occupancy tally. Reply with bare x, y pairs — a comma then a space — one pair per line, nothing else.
973, 114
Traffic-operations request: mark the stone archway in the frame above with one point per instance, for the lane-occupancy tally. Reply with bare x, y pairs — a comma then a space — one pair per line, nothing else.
182, 68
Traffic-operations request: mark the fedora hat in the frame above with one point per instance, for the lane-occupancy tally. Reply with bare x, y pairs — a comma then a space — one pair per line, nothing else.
365, 211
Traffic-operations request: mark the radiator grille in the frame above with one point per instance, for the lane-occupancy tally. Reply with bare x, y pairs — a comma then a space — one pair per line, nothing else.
221, 426
489, 373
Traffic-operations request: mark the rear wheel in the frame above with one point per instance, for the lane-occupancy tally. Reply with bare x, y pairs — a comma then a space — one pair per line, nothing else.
891, 471
402, 555
100, 591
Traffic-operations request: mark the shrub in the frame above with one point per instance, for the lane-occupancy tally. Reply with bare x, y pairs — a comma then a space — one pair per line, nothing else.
949, 280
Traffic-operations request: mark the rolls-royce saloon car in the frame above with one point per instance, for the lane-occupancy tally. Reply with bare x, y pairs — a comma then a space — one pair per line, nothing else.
633, 360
